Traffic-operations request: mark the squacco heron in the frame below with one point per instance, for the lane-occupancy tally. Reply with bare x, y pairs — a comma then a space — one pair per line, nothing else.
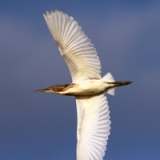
88, 87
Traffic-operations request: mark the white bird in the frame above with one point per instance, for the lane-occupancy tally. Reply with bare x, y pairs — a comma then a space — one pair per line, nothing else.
93, 119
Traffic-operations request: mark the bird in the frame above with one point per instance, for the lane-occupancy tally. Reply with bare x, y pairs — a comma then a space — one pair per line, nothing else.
87, 86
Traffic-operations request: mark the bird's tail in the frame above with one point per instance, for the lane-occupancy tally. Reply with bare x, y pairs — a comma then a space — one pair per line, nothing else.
110, 80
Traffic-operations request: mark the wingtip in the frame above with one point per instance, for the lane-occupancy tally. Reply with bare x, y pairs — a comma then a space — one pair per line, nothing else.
51, 11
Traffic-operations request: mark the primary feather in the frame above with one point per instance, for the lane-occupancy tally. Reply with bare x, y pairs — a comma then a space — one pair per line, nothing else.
74, 46
93, 127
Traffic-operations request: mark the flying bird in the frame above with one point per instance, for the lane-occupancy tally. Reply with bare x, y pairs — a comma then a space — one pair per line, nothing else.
88, 87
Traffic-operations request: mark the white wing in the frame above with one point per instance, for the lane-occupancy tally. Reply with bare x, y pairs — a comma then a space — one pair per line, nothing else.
93, 127
75, 47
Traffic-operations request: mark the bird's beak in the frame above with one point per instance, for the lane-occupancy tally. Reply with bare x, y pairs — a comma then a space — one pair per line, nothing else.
43, 90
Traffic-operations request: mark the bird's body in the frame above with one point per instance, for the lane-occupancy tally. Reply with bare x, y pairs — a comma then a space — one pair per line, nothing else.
85, 88
88, 87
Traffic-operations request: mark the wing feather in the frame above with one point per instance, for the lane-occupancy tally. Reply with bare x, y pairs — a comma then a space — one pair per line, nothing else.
93, 127
75, 47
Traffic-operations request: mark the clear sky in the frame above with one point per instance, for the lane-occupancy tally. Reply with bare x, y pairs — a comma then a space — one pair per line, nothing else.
39, 126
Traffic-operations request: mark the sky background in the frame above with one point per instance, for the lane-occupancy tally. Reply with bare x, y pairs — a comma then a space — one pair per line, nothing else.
39, 126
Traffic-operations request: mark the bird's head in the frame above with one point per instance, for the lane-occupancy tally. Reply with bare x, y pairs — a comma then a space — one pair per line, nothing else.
54, 89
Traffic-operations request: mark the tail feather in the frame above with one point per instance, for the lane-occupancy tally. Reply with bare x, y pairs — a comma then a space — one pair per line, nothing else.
111, 91
109, 78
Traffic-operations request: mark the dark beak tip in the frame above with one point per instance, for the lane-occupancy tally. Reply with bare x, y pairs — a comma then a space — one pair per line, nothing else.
41, 90
37, 91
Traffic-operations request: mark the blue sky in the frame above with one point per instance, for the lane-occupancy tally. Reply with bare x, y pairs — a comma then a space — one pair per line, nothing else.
37, 126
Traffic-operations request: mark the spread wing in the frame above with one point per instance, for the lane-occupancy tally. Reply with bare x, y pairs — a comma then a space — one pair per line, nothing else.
93, 127
75, 47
